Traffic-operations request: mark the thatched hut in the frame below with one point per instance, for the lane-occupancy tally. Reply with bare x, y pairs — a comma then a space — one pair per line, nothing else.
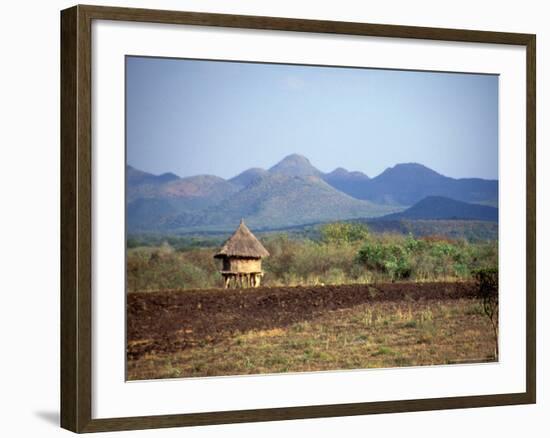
241, 258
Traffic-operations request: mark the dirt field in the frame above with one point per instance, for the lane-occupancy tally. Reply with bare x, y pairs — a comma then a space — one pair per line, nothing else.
221, 332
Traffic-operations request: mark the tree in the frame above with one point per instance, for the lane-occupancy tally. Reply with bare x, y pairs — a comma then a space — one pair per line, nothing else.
391, 258
344, 232
487, 293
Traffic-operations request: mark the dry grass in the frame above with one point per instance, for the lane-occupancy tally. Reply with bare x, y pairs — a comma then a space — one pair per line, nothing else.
382, 334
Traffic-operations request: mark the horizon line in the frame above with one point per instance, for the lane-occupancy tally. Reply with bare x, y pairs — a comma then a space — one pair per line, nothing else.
303, 156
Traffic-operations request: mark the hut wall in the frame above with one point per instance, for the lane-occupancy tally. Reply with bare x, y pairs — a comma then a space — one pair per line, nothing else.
242, 265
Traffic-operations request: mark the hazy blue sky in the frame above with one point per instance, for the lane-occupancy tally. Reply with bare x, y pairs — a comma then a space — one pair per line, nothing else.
204, 117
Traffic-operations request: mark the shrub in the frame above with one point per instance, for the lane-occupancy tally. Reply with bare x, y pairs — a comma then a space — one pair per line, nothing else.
392, 259
344, 232
163, 268
399, 257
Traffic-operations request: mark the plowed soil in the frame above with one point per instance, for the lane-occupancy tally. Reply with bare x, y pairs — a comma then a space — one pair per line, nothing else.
166, 322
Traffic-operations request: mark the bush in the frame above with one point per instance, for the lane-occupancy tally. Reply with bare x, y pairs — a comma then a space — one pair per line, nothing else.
307, 262
344, 232
487, 282
390, 258
164, 268
400, 257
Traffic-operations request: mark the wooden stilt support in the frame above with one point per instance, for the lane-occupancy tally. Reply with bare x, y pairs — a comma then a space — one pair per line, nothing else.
233, 280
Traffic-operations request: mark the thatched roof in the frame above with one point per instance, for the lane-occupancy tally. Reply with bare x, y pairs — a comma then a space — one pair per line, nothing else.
242, 244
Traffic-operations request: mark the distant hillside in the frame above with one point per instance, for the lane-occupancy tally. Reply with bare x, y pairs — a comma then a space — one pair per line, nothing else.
148, 213
136, 177
455, 229
248, 177
406, 184
438, 207
401, 185
141, 184
148, 204
352, 183
209, 187
279, 200
292, 192
295, 165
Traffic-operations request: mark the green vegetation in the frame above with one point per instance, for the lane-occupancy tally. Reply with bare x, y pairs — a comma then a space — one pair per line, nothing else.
339, 253
163, 267
344, 233
428, 258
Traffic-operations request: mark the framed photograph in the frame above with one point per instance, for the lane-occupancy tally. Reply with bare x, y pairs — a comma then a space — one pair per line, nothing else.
270, 218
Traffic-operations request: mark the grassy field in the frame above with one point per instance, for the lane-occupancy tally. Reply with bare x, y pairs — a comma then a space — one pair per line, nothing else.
406, 329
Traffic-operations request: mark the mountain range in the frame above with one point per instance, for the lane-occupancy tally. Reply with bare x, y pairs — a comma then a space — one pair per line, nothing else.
292, 192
